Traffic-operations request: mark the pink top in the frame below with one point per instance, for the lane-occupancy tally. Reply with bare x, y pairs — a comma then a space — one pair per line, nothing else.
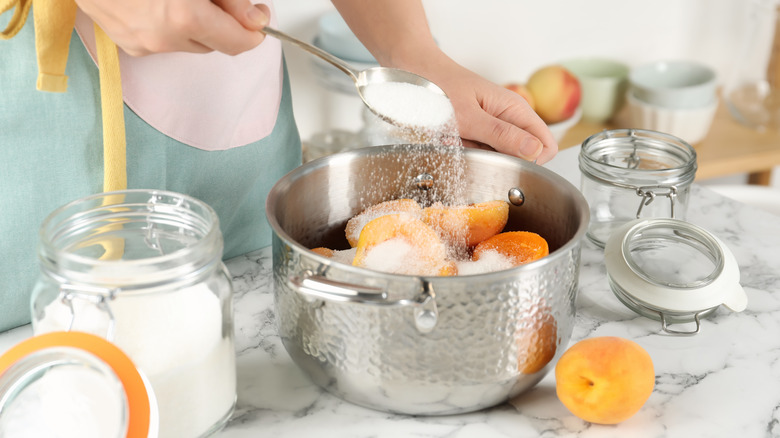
210, 101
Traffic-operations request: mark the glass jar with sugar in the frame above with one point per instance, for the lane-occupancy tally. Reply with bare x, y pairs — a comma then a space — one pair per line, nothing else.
144, 269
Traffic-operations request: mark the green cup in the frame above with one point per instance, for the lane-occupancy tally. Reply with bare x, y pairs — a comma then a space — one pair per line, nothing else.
604, 83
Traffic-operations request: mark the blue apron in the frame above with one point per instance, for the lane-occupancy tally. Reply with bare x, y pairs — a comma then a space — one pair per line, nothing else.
51, 153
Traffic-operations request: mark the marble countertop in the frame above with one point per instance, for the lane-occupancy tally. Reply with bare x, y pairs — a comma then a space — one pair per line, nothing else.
722, 382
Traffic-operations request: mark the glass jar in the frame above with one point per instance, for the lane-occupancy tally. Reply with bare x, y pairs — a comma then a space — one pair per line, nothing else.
143, 269
625, 170
752, 88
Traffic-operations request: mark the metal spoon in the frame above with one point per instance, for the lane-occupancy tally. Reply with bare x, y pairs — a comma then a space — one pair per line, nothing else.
362, 78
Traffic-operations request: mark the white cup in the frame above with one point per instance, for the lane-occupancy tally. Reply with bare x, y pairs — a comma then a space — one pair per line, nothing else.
604, 83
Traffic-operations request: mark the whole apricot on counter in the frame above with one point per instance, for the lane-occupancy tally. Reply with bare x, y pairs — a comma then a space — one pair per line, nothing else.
556, 92
604, 380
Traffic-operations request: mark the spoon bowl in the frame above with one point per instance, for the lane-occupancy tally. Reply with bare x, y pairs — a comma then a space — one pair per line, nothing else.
363, 79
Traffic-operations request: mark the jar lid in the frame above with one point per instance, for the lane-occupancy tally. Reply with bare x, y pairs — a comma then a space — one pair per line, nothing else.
74, 382
673, 271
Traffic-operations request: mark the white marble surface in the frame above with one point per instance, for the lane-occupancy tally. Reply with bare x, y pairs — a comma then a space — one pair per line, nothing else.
723, 382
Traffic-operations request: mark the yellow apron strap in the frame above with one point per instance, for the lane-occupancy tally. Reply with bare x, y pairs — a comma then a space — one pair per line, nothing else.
54, 20
114, 147
17, 19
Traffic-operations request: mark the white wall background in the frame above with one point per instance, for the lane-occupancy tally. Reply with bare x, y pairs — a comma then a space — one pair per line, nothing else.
506, 40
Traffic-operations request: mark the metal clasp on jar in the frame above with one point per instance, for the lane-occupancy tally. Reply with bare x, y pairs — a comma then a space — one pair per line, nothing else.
99, 296
648, 194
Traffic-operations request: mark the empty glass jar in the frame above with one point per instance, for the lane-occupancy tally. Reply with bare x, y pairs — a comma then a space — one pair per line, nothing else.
632, 173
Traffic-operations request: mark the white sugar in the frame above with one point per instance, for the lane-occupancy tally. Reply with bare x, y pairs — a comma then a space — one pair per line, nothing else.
175, 339
69, 401
392, 256
489, 261
409, 104
344, 256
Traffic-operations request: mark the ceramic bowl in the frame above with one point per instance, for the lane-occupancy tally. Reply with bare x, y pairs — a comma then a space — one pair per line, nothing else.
604, 83
674, 84
559, 129
689, 124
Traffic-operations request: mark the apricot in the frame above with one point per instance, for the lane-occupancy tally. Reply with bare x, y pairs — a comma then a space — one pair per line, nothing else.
604, 380
402, 244
537, 344
356, 224
556, 91
326, 252
519, 247
470, 224
338, 255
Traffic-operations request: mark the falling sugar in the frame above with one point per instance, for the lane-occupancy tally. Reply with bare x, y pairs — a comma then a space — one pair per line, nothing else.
427, 143
423, 117
344, 256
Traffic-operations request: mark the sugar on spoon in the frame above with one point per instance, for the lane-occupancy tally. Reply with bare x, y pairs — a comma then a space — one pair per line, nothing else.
364, 79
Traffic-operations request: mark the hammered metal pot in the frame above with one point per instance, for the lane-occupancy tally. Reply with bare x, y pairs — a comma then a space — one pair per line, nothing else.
423, 345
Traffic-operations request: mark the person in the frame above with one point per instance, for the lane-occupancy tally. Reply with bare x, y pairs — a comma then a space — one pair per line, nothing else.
207, 111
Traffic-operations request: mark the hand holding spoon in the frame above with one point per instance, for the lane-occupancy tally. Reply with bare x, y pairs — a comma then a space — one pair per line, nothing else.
365, 79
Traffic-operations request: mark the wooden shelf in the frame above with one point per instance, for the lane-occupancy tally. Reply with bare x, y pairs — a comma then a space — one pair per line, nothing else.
729, 148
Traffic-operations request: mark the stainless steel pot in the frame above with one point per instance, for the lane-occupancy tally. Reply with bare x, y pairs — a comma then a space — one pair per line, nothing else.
422, 345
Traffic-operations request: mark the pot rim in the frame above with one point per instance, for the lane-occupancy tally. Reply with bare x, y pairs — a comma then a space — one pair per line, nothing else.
301, 171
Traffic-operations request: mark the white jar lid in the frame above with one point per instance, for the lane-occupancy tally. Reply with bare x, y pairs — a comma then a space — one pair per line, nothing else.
74, 384
672, 270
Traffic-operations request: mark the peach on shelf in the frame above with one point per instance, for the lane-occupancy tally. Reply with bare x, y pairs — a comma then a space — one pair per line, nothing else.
556, 93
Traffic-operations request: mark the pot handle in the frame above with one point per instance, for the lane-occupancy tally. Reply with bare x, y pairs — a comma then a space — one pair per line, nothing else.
319, 287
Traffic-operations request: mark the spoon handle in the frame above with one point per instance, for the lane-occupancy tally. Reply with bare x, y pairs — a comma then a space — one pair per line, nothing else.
337, 62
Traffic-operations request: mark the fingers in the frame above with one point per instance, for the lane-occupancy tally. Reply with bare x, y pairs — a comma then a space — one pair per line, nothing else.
520, 116
143, 27
252, 17
228, 26
503, 120
508, 138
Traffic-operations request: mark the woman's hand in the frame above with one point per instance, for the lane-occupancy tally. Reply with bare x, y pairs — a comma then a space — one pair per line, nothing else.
396, 32
143, 27
489, 115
